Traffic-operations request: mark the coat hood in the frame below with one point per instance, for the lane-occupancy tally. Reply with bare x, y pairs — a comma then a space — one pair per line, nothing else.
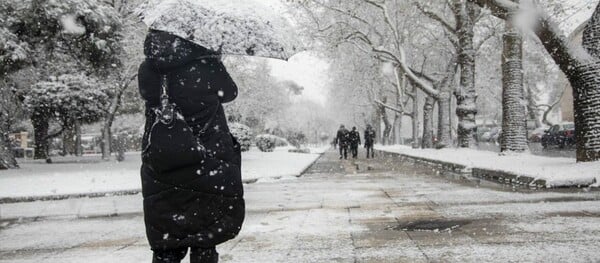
164, 50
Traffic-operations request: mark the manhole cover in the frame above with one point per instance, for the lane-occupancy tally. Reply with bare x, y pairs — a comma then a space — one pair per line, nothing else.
431, 225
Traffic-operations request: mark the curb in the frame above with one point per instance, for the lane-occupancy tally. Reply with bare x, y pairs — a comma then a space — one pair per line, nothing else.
473, 174
10, 200
312, 163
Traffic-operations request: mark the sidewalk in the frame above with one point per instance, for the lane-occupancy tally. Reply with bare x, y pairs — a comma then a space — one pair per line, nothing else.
517, 169
340, 211
72, 177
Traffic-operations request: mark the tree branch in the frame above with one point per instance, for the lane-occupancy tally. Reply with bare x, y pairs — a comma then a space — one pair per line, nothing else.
434, 16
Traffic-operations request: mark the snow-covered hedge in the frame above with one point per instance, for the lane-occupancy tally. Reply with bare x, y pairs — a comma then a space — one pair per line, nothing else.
243, 134
268, 142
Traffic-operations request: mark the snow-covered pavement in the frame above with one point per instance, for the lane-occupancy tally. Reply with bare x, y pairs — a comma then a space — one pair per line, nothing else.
557, 172
383, 211
81, 176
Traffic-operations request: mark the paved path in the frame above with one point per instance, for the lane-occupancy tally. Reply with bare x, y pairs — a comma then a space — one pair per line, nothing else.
340, 211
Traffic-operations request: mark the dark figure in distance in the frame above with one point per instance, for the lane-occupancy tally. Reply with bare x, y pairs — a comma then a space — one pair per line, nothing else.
198, 205
342, 139
354, 142
369, 141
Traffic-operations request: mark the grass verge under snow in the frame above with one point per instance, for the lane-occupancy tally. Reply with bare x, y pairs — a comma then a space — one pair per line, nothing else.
557, 172
87, 175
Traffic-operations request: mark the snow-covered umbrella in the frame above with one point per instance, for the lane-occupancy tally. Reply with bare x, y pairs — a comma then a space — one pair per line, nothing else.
234, 27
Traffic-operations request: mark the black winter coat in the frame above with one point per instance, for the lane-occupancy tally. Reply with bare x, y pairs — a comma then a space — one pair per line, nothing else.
369, 137
343, 137
354, 138
198, 205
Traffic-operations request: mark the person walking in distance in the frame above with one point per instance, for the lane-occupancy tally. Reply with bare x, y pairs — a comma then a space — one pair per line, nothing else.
369, 140
354, 142
342, 139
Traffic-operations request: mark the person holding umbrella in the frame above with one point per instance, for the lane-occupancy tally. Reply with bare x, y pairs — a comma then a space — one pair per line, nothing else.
195, 205
191, 176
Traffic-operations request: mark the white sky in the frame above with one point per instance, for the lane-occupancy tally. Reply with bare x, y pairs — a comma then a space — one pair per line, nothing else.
308, 71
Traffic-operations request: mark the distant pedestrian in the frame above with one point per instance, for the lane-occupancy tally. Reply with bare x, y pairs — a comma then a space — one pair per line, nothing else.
369, 140
342, 140
354, 142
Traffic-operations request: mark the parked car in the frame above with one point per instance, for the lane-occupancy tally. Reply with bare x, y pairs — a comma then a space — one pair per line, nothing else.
560, 135
537, 134
491, 135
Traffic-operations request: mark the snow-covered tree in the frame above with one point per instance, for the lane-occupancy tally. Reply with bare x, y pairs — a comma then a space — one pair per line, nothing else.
122, 97
261, 98
580, 64
60, 37
71, 99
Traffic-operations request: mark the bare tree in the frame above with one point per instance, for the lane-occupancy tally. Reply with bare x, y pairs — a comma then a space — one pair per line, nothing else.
379, 30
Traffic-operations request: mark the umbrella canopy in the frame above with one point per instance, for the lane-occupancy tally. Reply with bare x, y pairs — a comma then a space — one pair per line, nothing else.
234, 27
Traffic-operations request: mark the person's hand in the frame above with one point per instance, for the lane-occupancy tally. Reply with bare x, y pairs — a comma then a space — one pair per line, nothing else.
219, 54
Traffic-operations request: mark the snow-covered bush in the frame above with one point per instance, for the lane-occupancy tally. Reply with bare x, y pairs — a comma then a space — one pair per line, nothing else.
265, 143
268, 142
243, 134
296, 139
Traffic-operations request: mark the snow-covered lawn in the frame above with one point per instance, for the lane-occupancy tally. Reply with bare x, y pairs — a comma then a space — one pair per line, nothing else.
81, 175
555, 171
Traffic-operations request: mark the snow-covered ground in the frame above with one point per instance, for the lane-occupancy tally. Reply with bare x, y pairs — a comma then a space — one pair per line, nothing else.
555, 171
82, 175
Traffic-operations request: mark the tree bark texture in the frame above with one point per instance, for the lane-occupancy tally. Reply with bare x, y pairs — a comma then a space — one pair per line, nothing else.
427, 139
514, 112
466, 95
586, 94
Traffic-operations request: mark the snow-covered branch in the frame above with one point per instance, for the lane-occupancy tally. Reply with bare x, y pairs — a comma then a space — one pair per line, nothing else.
436, 17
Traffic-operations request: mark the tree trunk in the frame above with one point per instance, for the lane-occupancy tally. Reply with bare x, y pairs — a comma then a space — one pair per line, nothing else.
396, 128
41, 126
514, 112
69, 145
586, 93
106, 141
444, 121
78, 146
466, 95
378, 124
427, 140
415, 119
7, 158
387, 124
111, 114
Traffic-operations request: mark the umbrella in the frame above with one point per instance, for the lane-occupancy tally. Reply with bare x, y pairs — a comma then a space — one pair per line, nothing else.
234, 27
